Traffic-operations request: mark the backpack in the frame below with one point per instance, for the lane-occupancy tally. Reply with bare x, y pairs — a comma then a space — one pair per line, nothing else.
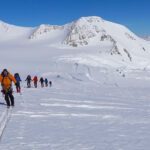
41, 80
2, 84
28, 77
35, 79
17, 77
46, 81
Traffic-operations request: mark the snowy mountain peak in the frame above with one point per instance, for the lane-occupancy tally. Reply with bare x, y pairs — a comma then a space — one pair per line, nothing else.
86, 31
83, 30
93, 30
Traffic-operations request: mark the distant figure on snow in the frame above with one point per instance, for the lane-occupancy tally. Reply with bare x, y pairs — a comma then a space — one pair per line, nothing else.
35, 80
42, 82
28, 79
50, 83
18, 79
46, 82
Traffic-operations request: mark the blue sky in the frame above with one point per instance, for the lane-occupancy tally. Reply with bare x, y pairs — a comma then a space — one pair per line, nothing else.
134, 14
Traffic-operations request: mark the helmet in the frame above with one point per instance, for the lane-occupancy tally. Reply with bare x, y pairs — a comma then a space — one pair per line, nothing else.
5, 72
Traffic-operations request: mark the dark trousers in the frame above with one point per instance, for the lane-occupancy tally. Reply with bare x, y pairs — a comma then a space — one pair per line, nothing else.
18, 88
50, 84
35, 84
42, 84
46, 84
9, 98
28, 84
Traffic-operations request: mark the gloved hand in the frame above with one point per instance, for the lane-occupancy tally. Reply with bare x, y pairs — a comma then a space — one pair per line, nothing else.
2, 91
16, 84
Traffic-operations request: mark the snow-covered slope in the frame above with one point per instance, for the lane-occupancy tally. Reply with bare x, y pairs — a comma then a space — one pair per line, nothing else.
89, 40
95, 31
12, 32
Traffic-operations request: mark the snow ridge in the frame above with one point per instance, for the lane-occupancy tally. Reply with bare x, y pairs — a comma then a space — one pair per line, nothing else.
44, 29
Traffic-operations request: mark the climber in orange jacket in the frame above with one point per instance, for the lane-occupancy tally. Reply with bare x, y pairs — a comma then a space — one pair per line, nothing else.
6, 80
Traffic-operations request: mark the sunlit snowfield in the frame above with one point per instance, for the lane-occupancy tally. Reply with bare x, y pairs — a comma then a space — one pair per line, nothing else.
79, 113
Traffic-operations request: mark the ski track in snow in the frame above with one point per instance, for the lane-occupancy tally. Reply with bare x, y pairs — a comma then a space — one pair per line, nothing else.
4, 119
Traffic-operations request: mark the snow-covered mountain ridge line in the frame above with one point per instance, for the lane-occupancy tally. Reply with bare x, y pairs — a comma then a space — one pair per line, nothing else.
86, 31
79, 32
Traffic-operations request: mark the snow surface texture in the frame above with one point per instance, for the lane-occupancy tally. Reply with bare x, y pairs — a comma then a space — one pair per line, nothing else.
76, 113
99, 97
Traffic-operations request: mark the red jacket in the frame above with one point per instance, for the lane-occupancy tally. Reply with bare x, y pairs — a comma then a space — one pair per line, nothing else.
35, 79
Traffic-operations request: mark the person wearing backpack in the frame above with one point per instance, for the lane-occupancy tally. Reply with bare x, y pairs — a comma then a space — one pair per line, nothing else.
18, 79
42, 82
46, 82
28, 79
50, 83
35, 80
6, 80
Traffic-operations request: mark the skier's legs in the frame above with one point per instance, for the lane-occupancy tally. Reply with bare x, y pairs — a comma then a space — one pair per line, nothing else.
19, 88
27, 83
7, 99
11, 98
46, 84
50, 84
35, 84
41, 84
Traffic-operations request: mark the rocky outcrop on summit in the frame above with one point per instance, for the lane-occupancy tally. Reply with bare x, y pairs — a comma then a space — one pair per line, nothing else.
83, 30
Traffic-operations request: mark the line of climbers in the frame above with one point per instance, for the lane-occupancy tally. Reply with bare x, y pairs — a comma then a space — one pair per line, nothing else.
44, 82
6, 80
